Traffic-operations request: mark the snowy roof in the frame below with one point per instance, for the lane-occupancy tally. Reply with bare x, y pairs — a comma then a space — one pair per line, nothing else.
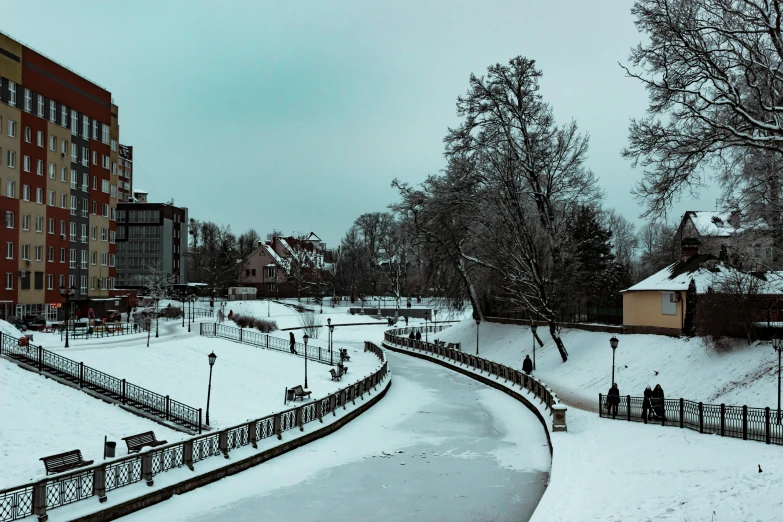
278, 260
712, 224
676, 277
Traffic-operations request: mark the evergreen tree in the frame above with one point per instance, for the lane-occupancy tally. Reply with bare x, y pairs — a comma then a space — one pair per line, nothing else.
689, 328
592, 263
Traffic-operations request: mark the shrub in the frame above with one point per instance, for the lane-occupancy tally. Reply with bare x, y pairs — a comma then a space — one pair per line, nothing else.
311, 323
248, 321
265, 325
172, 312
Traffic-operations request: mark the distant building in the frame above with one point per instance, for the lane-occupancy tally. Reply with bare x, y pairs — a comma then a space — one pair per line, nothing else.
288, 266
745, 244
149, 234
125, 174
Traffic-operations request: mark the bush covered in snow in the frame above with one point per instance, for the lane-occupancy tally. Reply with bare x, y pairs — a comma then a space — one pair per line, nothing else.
248, 321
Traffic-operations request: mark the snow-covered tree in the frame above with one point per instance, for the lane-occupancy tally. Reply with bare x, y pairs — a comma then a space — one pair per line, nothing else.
158, 286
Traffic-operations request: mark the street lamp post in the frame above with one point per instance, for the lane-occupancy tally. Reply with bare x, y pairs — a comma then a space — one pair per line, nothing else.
183, 298
67, 294
426, 318
777, 344
306, 338
331, 338
435, 318
533, 329
478, 322
614, 341
212, 358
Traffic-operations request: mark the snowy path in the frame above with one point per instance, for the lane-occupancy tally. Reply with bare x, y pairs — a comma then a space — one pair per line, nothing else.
439, 446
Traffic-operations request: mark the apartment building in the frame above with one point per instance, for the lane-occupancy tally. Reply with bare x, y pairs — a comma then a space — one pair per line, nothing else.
59, 136
150, 236
125, 174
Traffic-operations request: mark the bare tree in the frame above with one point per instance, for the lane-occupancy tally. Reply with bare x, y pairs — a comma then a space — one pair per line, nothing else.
158, 285
247, 242
712, 69
216, 259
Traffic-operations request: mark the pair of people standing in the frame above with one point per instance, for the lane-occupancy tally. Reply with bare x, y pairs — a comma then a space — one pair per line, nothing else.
653, 405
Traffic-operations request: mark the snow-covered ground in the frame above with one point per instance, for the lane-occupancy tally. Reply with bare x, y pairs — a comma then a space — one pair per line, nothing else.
607, 470
41, 417
685, 367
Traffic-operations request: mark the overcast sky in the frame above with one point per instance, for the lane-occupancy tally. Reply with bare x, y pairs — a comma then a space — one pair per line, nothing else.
296, 115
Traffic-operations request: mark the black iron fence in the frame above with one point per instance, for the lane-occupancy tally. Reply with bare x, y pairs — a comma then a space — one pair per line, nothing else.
102, 330
399, 337
104, 384
742, 422
262, 340
68, 487
576, 314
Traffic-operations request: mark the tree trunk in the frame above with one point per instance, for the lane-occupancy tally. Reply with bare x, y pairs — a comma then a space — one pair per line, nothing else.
556, 337
471, 291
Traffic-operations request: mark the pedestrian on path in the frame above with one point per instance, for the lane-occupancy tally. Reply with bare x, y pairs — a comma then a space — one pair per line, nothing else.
613, 400
527, 365
418, 335
646, 404
411, 336
658, 402
293, 341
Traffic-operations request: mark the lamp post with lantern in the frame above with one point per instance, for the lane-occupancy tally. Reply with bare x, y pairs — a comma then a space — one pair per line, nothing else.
613, 342
305, 338
67, 294
212, 357
478, 322
533, 329
777, 344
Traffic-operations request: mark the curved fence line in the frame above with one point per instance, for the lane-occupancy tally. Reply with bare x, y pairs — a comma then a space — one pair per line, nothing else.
119, 390
95, 481
548, 397
262, 340
741, 422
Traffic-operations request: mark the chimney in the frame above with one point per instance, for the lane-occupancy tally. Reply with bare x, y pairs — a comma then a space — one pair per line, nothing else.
690, 247
260, 244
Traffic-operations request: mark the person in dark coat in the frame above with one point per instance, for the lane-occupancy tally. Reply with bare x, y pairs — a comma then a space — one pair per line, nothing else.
418, 335
527, 364
411, 336
613, 400
646, 404
406, 320
658, 403
293, 341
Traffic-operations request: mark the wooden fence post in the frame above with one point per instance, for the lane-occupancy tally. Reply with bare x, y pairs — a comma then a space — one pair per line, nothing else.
146, 468
39, 501
99, 483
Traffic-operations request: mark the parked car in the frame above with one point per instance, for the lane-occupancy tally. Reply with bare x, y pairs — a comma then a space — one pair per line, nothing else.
34, 322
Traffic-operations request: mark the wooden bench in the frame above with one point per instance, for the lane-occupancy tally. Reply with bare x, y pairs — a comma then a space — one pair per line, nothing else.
136, 442
300, 393
344, 355
65, 461
335, 376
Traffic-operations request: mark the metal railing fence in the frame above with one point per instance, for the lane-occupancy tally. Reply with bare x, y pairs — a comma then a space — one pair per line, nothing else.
742, 422
399, 337
68, 487
262, 340
102, 383
102, 330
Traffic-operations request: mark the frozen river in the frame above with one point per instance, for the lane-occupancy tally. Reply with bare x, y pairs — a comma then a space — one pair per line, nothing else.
439, 446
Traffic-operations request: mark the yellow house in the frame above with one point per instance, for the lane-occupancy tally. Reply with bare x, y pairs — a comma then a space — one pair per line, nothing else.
657, 305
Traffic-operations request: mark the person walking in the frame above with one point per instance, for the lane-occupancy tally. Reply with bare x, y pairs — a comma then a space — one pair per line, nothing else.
406, 320
418, 335
646, 404
527, 365
292, 341
411, 336
613, 400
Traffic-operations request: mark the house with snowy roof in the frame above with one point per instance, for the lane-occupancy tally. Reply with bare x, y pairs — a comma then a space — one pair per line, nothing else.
287, 266
747, 243
657, 305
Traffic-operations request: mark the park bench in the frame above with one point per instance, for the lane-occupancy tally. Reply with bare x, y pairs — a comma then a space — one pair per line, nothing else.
65, 461
299, 393
136, 442
344, 354
335, 376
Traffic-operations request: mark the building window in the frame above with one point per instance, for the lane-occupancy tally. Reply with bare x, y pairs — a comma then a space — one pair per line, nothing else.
114, 145
26, 192
26, 163
39, 224
11, 159
85, 127
12, 94
104, 161
41, 139
9, 281
39, 196
94, 257
105, 188
64, 116
74, 152
105, 133
270, 271
11, 129
52, 171
25, 221
94, 157
72, 261
94, 130
28, 100
53, 143
26, 252
94, 233
63, 147
64, 174
62, 258
669, 303
74, 123
52, 112
104, 210
40, 106
50, 282
28, 135
10, 189
51, 225
9, 219
50, 254
39, 167
83, 284
9, 250
104, 234
74, 180
38, 252
104, 259
84, 259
